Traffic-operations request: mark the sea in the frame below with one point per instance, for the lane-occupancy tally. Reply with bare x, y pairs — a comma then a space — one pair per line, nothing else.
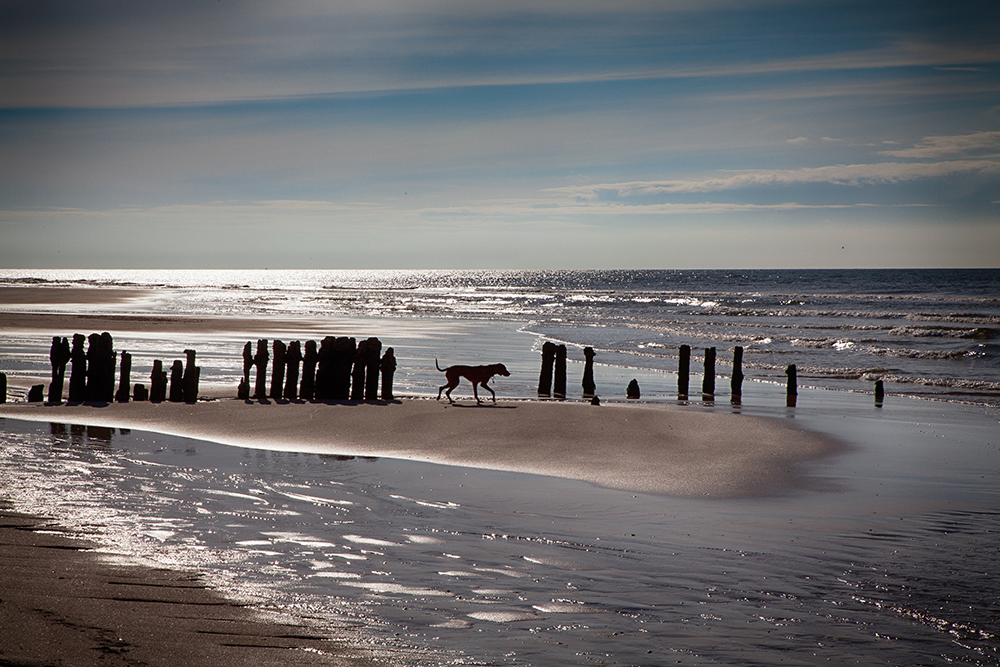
888, 555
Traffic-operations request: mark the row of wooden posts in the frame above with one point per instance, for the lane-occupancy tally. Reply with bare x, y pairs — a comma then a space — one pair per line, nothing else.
341, 368
554, 357
92, 375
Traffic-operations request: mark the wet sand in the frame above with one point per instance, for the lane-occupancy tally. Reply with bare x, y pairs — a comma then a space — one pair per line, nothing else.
651, 449
61, 605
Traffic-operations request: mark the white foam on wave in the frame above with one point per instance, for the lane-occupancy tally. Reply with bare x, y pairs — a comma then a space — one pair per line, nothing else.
503, 616
386, 587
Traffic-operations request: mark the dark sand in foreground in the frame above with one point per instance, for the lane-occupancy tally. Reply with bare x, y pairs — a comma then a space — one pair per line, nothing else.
61, 605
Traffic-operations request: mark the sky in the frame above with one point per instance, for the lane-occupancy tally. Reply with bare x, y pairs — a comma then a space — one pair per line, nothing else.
545, 134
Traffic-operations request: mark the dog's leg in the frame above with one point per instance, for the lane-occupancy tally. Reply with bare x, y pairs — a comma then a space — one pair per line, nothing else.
475, 393
486, 386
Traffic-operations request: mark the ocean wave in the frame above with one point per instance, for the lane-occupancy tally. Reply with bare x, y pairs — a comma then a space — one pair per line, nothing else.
978, 333
964, 318
905, 353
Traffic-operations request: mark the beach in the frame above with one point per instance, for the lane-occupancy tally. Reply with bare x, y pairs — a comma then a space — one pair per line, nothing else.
527, 531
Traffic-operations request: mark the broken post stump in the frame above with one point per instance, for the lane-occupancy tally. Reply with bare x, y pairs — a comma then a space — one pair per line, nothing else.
736, 382
545, 376
124, 378
139, 392
388, 368
36, 394
791, 394
559, 381
683, 372
632, 391
589, 388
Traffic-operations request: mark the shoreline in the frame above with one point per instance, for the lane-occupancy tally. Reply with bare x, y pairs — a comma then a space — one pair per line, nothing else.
643, 448
63, 604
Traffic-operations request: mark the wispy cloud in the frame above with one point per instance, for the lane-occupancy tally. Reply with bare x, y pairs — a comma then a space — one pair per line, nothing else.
852, 175
977, 144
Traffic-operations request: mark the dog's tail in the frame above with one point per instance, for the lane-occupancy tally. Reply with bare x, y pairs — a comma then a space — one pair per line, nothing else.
436, 365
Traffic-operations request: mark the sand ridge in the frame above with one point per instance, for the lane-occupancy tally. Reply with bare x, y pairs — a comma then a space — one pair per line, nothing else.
637, 447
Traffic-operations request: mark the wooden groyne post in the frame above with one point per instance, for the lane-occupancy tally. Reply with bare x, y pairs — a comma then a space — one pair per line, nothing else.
192, 374
177, 381
879, 393
78, 371
736, 382
293, 355
307, 389
559, 382
708, 381
59, 355
278, 370
791, 394
545, 376
124, 379
260, 361
3, 387
388, 368
158, 383
589, 387
683, 372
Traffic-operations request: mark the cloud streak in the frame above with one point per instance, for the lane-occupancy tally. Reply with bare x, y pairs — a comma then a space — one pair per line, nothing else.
843, 175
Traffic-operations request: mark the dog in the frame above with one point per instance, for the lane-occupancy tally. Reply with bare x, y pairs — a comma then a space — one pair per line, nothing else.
477, 375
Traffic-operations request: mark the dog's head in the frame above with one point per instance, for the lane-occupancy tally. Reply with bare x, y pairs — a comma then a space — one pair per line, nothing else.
500, 369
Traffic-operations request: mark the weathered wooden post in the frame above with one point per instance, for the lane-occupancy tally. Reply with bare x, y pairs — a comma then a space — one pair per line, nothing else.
708, 381
345, 352
589, 388
139, 392
59, 356
388, 368
243, 391
260, 361
278, 370
307, 389
879, 393
545, 376
192, 374
177, 381
559, 383
792, 392
78, 371
158, 383
683, 372
325, 369
358, 373
3, 387
124, 378
293, 355
372, 363
736, 383
632, 391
